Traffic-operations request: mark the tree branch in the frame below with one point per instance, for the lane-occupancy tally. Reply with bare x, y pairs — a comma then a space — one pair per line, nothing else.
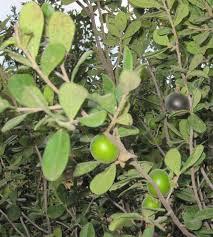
171, 213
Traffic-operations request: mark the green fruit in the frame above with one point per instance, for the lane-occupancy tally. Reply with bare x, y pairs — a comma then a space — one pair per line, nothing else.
103, 149
161, 179
150, 202
152, 123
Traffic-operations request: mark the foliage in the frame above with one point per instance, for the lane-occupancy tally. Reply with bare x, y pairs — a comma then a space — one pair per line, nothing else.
65, 79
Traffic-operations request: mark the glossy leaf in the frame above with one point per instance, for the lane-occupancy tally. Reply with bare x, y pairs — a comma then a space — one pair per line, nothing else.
71, 97
94, 119
173, 160
61, 30
102, 182
52, 56
31, 22
85, 167
56, 155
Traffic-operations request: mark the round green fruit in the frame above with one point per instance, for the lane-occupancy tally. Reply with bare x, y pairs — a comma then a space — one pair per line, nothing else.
150, 202
176, 102
103, 149
161, 179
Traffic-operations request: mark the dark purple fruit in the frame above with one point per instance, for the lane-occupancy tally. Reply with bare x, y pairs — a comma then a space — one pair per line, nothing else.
176, 102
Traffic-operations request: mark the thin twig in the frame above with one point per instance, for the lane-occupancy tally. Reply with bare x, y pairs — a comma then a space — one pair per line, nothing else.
162, 199
34, 224
208, 181
33, 62
163, 109
105, 60
118, 111
64, 73
25, 109
12, 224
25, 227
45, 193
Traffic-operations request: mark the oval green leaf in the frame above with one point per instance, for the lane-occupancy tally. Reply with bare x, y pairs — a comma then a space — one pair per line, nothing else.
56, 155
102, 182
61, 29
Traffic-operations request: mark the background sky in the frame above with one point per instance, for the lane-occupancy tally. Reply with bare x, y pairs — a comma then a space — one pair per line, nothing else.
7, 4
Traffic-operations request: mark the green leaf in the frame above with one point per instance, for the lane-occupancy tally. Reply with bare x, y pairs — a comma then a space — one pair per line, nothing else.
190, 219
61, 30
108, 84
193, 48
94, 120
23, 88
182, 11
128, 59
87, 231
119, 220
197, 73
67, 2
85, 167
184, 129
113, 30
82, 59
48, 94
196, 123
125, 119
47, 9
13, 122
196, 97
149, 231
205, 214
107, 102
4, 104
193, 158
56, 155
127, 131
173, 160
145, 3
55, 211
57, 232
71, 97
52, 56
196, 61
13, 212
128, 81
31, 22
121, 21
160, 39
170, 3
102, 182
108, 235
132, 28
